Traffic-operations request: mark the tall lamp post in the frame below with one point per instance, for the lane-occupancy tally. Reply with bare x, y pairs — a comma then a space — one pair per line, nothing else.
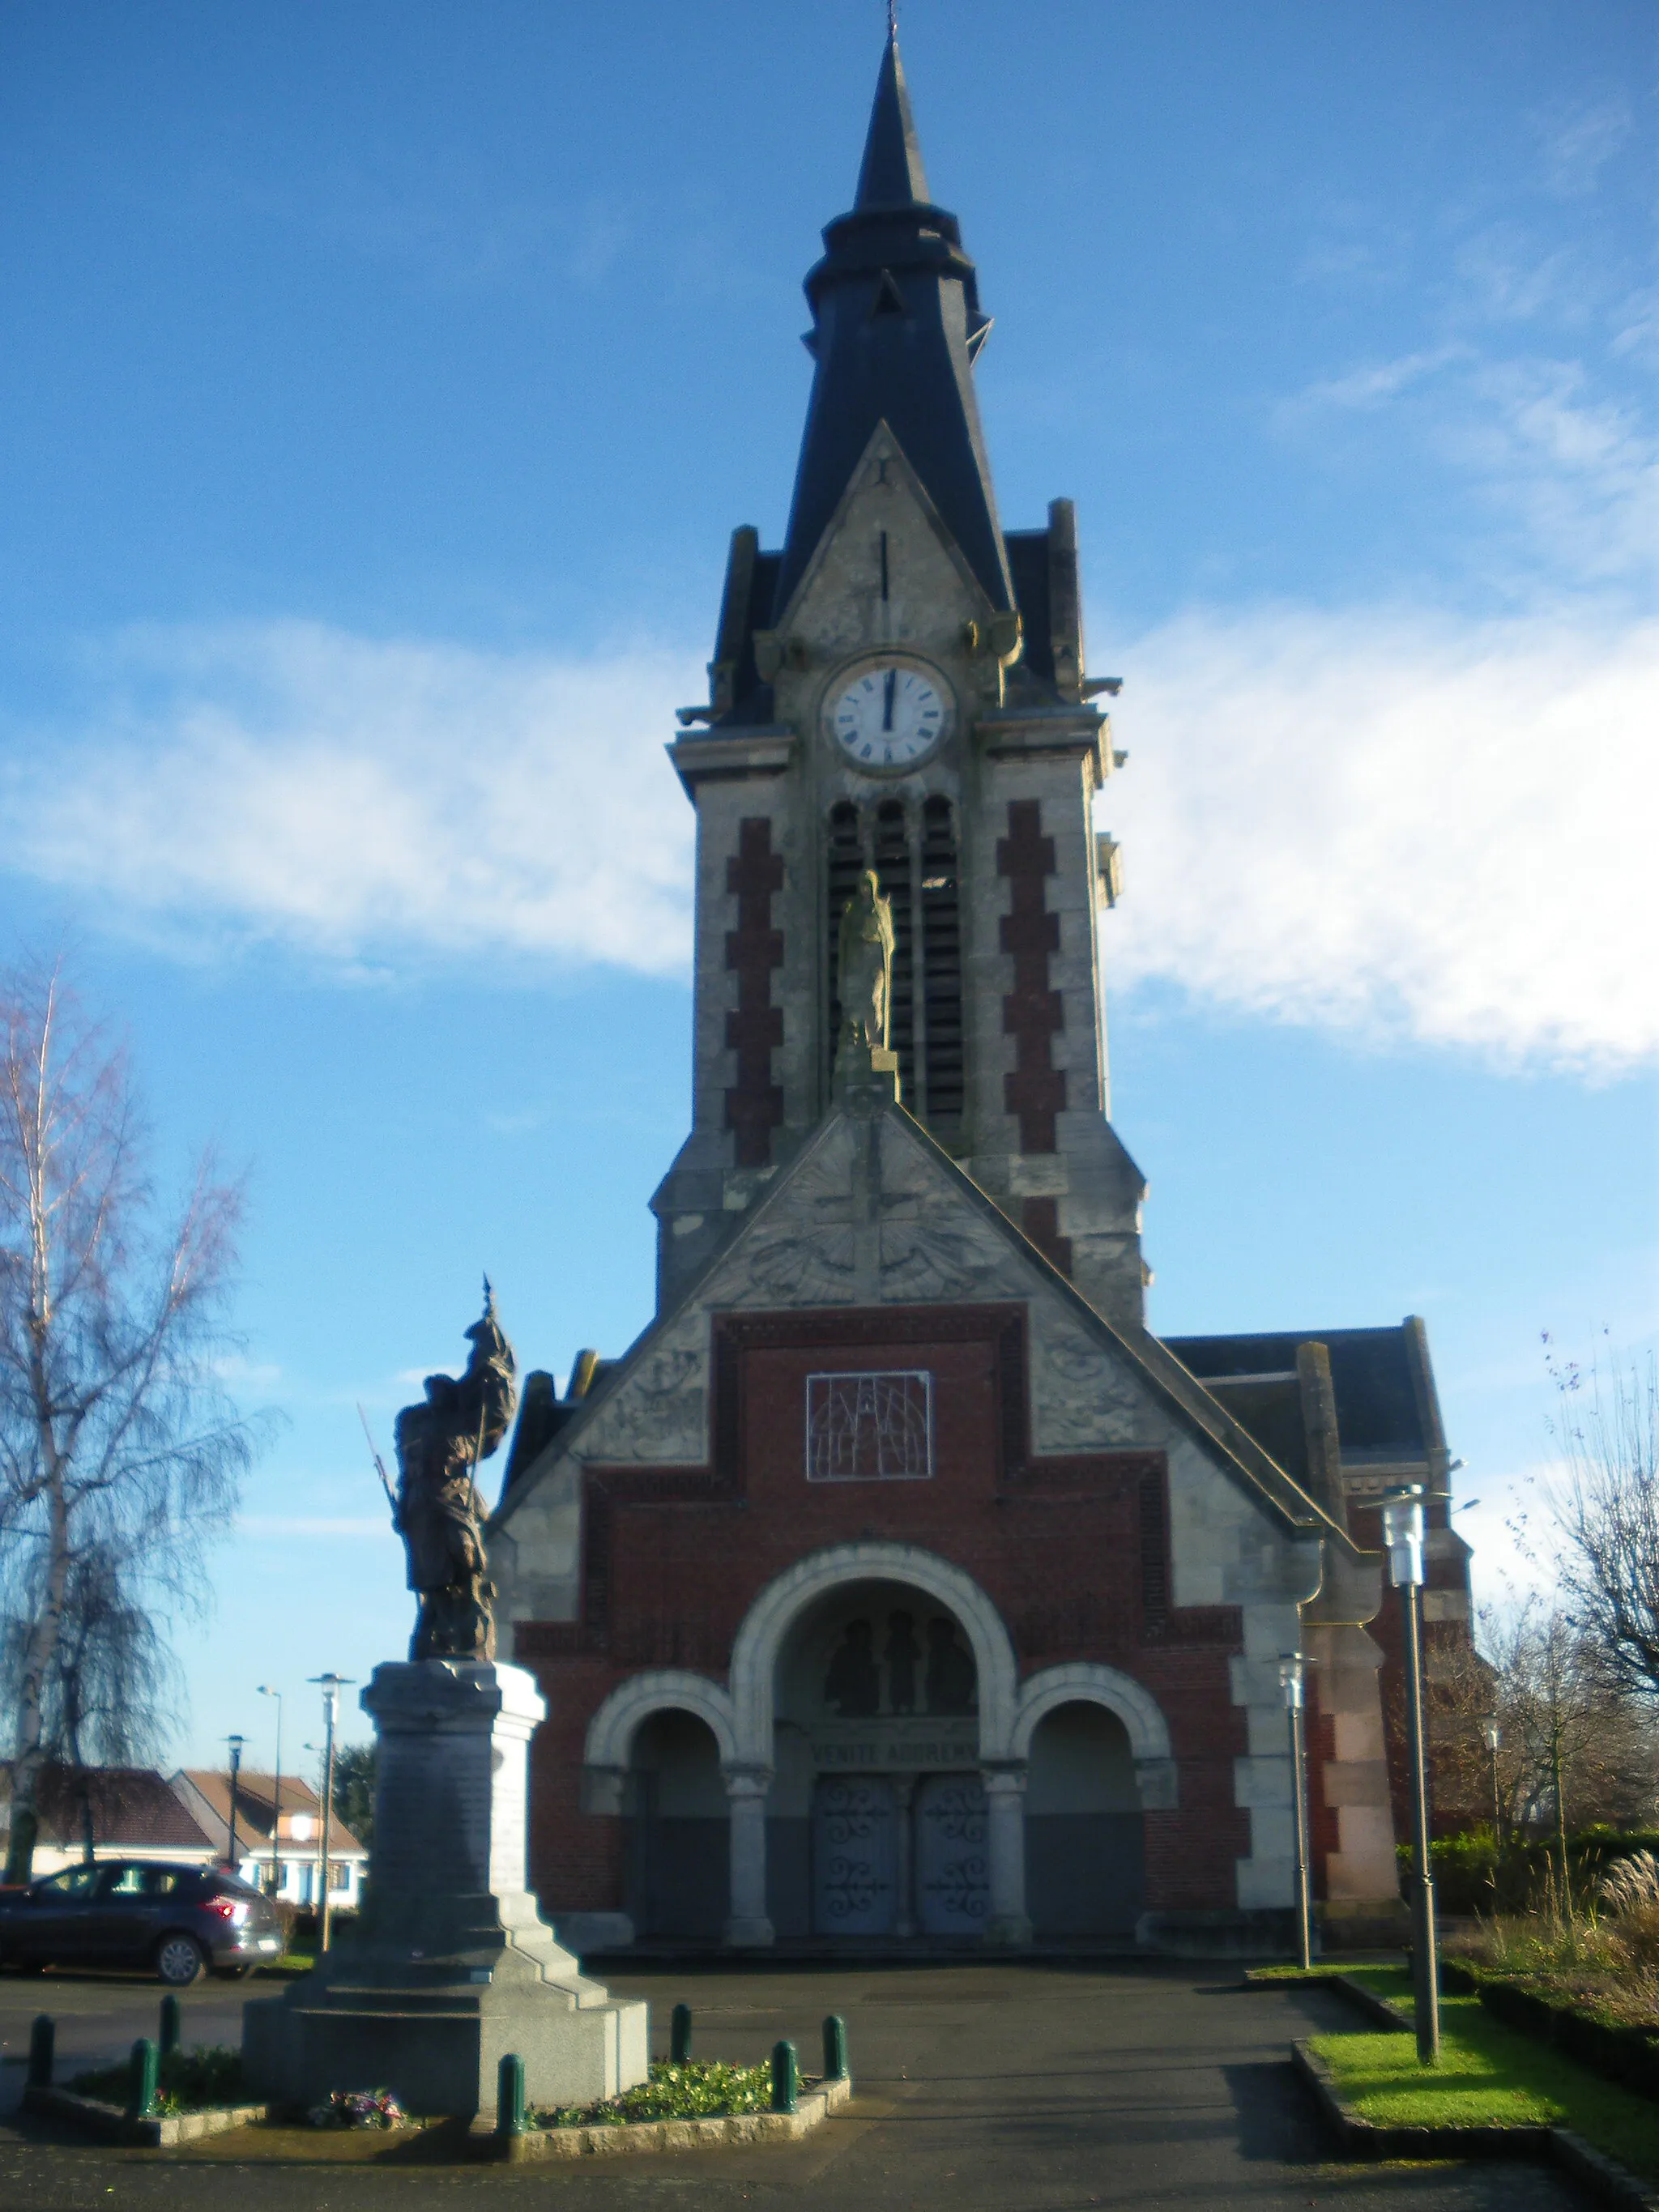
1402, 1532
1292, 1678
1494, 1740
235, 1743
331, 1686
265, 1691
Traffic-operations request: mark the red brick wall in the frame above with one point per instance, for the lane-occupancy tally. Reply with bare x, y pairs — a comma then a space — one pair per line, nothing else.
1072, 1551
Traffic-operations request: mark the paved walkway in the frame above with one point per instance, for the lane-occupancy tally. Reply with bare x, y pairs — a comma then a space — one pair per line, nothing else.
980, 2088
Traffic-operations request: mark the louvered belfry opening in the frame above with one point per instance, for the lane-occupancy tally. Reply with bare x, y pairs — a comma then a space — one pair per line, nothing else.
844, 863
913, 850
941, 968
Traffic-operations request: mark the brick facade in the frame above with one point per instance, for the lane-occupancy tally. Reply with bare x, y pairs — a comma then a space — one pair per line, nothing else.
1072, 1550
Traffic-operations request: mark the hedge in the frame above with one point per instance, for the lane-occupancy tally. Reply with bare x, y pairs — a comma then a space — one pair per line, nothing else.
1524, 1865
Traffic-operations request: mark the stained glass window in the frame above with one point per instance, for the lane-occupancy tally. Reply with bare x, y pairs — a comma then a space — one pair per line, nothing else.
869, 1428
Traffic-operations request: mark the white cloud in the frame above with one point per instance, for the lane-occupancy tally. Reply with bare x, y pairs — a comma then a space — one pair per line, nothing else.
1389, 823
1576, 140
1582, 474
1398, 824
364, 799
1378, 382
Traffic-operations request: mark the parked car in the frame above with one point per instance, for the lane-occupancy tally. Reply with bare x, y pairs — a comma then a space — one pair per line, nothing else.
173, 1920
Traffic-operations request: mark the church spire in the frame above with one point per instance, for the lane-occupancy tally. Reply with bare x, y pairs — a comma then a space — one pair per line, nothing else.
895, 326
891, 174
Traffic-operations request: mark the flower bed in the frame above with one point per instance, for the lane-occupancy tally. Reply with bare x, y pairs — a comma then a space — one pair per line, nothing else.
698, 2089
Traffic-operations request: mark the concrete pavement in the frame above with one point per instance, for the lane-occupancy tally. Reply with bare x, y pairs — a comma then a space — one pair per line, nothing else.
978, 2087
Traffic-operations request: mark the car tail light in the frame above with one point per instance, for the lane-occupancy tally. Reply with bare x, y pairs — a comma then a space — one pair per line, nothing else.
228, 1908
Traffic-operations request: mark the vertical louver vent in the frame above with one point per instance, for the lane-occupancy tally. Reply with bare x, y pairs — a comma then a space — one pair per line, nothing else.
914, 853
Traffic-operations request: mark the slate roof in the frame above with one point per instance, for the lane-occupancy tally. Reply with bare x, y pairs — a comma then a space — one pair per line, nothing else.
895, 324
133, 1809
1383, 1410
896, 327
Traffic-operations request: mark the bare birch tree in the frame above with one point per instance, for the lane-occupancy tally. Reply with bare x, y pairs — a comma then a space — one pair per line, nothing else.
1605, 1505
120, 1456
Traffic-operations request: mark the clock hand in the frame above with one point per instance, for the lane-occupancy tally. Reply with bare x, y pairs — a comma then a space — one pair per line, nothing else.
887, 702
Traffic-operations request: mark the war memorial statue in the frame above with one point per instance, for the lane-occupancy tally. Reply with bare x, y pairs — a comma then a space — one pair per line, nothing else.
437, 1511
453, 1965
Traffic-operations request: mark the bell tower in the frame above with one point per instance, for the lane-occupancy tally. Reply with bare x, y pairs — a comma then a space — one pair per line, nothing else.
902, 687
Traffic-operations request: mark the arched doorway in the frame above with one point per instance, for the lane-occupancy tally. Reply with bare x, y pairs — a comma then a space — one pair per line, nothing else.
877, 1820
1083, 1825
675, 1828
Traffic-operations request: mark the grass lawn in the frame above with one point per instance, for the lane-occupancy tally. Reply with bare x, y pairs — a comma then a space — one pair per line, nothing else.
1488, 2075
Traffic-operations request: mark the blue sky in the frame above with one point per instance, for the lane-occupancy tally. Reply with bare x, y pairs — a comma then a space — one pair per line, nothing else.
384, 383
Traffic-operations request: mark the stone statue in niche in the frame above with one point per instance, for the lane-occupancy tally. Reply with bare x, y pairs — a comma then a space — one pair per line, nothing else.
950, 1679
853, 1684
902, 1653
864, 969
438, 1511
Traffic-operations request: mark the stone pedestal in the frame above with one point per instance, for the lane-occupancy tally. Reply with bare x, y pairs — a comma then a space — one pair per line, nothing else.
451, 1965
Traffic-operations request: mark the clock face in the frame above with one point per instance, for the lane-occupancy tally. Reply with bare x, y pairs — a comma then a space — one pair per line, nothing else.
888, 716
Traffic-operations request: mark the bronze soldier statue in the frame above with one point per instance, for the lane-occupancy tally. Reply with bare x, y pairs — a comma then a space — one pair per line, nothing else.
438, 1511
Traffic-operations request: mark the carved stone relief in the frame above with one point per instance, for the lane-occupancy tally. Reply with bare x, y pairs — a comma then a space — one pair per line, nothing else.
929, 1255
659, 1411
1084, 1397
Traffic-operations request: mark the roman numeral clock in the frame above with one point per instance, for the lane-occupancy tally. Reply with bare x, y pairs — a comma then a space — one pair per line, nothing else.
889, 714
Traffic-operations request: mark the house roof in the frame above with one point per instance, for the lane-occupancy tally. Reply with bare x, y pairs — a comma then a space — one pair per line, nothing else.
133, 1809
256, 1804
1204, 1414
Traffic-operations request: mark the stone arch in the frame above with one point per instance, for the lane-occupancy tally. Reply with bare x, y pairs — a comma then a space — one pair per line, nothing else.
610, 1732
768, 1620
1086, 1681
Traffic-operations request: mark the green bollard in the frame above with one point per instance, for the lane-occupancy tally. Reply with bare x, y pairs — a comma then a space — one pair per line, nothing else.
786, 2077
835, 2048
167, 2040
141, 2080
509, 2095
679, 2036
43, 2041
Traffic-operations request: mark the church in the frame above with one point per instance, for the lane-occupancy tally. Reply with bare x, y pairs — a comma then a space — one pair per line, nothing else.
898, 1586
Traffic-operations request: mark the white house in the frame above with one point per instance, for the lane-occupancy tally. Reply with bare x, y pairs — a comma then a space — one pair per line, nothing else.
278, 1849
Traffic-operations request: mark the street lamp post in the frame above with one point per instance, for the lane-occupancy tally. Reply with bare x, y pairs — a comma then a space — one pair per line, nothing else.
1494, 1740
1402, 1532
265, 1691
235, 1743
1292, 1679
331, 1686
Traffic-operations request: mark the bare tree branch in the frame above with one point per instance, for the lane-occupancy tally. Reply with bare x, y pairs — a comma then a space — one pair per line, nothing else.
1605, 1505
120, 1456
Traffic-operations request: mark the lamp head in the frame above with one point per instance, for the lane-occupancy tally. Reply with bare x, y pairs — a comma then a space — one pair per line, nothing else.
1402, 1532
1292, 1679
